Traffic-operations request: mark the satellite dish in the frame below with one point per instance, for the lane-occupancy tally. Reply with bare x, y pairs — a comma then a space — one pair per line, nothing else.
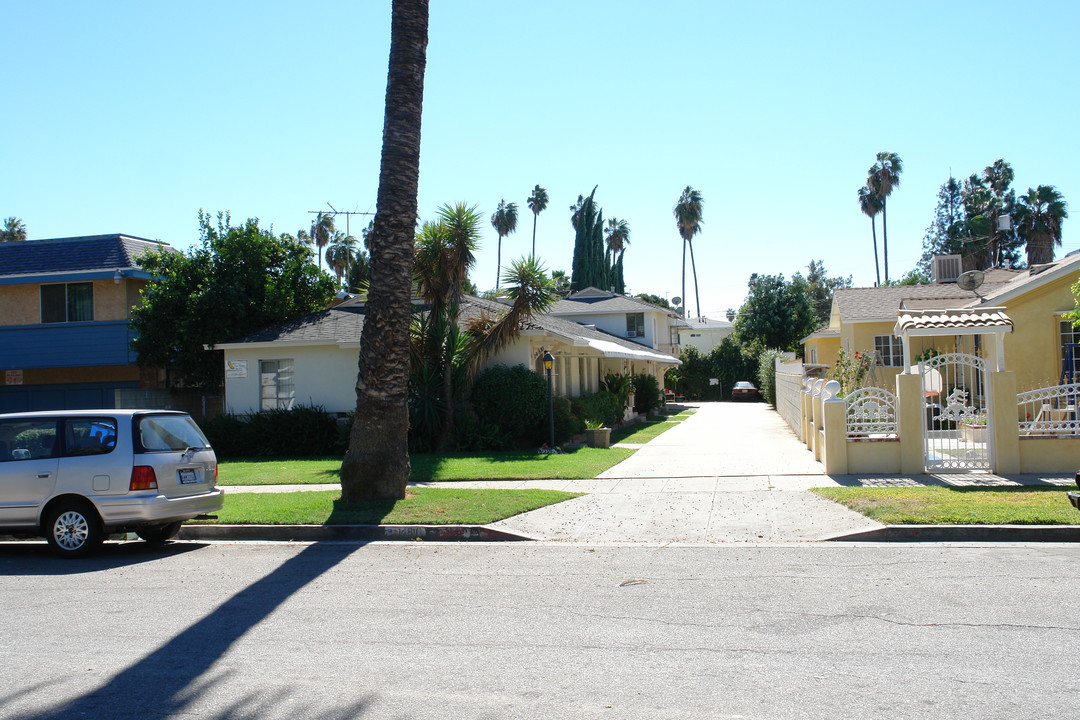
971, 280
676, 300
679, 311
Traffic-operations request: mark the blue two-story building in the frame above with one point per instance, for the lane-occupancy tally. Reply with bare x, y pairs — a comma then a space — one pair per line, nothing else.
65, 338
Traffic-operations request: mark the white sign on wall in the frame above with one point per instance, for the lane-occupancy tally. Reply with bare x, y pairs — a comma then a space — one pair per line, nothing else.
236, 368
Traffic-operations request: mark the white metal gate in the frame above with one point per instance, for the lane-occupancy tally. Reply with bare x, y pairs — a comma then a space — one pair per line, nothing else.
956, 427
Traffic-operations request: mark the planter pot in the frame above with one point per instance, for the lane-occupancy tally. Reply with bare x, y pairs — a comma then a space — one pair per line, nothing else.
973, 433
598, 437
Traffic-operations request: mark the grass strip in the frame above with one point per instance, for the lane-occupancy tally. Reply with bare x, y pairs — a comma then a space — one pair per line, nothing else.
641, 432
432, 467
957, 505
421, 506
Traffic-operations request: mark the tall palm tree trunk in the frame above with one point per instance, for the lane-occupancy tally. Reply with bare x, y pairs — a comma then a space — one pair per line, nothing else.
376, 465
535, 215
693, 266
877, 268
498, 262
885, 238
684, 303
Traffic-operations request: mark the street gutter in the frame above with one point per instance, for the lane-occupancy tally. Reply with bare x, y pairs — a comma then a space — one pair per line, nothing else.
313, 533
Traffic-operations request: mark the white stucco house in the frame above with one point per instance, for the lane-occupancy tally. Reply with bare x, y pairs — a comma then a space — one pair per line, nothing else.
704, 334
625, 317
312, 360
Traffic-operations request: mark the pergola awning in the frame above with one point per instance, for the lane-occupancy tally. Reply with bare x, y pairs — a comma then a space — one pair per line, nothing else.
953, 322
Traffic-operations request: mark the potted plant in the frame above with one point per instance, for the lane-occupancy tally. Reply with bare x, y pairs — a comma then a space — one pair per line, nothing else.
596, 435
973, 427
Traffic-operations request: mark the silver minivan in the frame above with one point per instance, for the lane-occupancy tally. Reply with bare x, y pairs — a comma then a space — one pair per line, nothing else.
76, 476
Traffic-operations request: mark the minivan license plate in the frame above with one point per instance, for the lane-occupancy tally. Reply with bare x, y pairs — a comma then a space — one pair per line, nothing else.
188, 477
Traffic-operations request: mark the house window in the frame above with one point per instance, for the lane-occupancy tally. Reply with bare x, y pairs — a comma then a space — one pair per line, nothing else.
890, 350
635, 325
277, 389
1070, 334
67, 302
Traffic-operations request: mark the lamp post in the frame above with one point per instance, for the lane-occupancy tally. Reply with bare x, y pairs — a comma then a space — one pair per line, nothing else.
549, 362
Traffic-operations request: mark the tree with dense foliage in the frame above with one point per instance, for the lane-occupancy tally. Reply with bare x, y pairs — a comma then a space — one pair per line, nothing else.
376, 465
871, 205
236, 281
820, 288
1039, 216
943, 237
997, 178
616, 238
575, 209
560, 282
688, 213
538, 202
654, 299
504, 220
589, 268
14, 230
884, 177
776, 313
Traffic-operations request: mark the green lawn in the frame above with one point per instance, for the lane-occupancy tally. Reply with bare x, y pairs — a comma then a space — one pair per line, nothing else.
421, 506
958, 506
641, 432
505, 465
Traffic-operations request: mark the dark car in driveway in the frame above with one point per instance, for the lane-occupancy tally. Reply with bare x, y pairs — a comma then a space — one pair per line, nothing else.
745, 391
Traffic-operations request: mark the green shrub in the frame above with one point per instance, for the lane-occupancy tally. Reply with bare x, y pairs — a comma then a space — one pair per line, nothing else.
471, 433
603, 406
767, 375
647, 396
567, 424
303, 431
515, 400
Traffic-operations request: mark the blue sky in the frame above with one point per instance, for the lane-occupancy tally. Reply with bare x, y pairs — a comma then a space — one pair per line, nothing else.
131, 116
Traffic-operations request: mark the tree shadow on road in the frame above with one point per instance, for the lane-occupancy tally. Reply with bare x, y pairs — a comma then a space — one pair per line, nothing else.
173, 677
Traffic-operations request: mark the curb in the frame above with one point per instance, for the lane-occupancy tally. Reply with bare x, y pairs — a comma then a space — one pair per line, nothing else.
312, 533
965, 533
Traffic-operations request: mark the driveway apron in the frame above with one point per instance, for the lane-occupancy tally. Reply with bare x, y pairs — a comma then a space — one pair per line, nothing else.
730, 472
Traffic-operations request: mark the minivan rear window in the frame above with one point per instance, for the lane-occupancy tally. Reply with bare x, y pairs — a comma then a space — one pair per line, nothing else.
161, 433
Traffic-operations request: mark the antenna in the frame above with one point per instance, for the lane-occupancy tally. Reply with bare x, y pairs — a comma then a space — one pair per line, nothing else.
971, 280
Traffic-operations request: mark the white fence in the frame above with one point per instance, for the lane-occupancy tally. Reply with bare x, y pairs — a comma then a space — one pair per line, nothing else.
789, 377
1049, 411
871, 413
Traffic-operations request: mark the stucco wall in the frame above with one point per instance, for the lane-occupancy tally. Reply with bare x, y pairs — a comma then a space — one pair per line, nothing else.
324, 376
1033, 348
21, 304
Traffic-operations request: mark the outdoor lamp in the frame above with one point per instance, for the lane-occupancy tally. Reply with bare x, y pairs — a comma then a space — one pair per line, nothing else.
549, 362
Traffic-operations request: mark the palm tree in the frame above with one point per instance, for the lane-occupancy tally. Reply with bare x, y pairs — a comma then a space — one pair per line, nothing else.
871, 205
322, 232
616, 237
688, 218
504, 220
537, 202
998, 177
445, 252
14, 230
341, 254
884, 176
575, 209
1039, 214
376, 465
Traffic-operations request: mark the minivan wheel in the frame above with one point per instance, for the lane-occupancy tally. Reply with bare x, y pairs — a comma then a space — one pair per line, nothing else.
158, 533
73, 529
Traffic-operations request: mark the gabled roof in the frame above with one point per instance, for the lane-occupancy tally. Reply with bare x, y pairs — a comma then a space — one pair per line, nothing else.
880, 304
342, 324
593, 301
1031, 278
76, 254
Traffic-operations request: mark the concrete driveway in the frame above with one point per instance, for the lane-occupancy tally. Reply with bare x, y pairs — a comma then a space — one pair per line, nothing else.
730, 472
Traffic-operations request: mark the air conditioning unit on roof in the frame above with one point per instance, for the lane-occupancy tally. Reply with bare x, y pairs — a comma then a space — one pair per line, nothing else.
946, 268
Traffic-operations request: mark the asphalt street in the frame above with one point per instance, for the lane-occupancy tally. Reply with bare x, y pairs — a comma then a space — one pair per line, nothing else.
539, 630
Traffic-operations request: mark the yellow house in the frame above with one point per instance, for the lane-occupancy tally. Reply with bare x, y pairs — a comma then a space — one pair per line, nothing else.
1036, 299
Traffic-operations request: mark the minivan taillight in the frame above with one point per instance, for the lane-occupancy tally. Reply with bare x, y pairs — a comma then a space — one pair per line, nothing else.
143, 478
